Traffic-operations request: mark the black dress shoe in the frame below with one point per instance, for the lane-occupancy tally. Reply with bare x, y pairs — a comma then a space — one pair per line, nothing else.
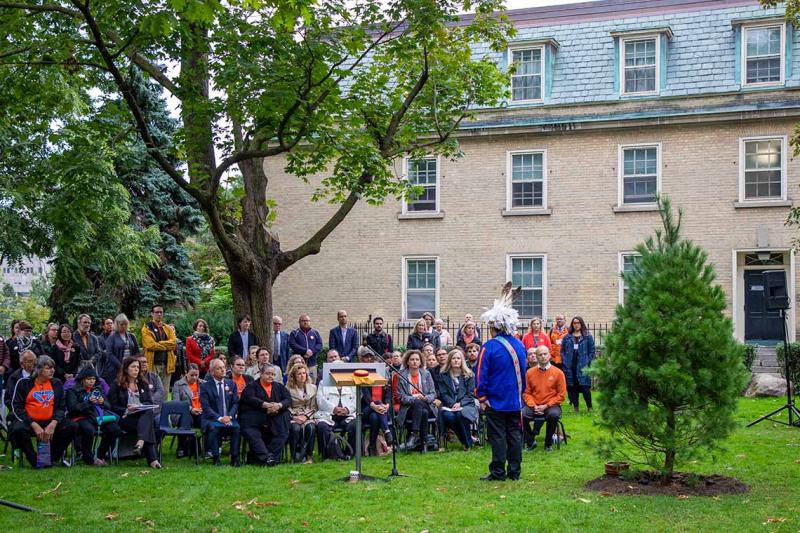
388, 436
217, 461
492, 477
235, 462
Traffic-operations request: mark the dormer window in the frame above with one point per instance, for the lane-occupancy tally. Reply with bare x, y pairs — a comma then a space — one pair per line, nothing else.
763, 52
527, 81
640, 65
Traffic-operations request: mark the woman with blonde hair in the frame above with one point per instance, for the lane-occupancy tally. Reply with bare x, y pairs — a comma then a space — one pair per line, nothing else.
456, 386
304, 405
421, 336
536, 336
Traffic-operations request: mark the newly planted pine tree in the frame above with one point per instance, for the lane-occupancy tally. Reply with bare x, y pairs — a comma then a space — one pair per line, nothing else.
672, 370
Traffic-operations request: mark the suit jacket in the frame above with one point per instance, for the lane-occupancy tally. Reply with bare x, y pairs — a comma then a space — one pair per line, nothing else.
280, 356
300, 341
235, 344
118, 397
209, 401
93, 349
252, 415
347, 349
450, 394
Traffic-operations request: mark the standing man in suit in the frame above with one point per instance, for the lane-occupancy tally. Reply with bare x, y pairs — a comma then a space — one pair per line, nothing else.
220, 402
280, 344
307, 342
88, 344
242, 339
343, 339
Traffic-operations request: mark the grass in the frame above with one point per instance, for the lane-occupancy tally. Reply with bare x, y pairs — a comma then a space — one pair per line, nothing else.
442, 494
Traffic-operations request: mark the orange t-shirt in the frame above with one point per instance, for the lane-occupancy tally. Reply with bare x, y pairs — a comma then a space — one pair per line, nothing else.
267, 388
195, 388
377, 394
40, 400
240, 384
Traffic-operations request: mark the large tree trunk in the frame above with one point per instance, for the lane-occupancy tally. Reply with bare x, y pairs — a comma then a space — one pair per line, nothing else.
252, 295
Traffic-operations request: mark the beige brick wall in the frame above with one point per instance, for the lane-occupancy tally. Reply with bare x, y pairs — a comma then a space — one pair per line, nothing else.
360, 265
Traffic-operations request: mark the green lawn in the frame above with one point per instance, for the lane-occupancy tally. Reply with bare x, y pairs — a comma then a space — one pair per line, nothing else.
442, 494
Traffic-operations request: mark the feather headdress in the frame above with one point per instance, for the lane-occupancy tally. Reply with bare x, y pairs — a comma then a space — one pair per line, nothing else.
502, 316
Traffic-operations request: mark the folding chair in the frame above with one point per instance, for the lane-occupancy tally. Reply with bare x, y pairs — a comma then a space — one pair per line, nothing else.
176, 420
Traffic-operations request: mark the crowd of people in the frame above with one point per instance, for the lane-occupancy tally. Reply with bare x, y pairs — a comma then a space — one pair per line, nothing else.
74, 387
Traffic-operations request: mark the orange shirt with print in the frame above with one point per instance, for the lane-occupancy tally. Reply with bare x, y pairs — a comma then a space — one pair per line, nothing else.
40, 400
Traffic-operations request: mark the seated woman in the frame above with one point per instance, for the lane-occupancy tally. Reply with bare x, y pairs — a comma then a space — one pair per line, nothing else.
303, 408
264, 417
129, 397
458, 410
38, 409
375, 404
187, 389
238, 375
417, 394
86, 406
252, 363
65, 354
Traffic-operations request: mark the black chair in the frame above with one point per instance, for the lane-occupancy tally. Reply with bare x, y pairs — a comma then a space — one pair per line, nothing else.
176, 420
559, 436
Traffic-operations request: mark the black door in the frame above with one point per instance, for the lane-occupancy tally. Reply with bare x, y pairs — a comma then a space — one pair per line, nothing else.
759, 324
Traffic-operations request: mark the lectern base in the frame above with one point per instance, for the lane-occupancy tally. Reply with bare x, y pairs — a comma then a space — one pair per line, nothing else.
355, 477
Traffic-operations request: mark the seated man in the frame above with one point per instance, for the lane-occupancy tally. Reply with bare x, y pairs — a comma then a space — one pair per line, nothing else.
545, 390
38, 410
220, 402
336, 408
265, 417
27, 360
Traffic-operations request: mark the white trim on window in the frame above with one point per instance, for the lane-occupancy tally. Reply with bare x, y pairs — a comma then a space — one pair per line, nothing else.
621, 173
404, 268
516, 48
620, 266
743, 60
403, 201
742, 167
543, 257
509, 175
643, 37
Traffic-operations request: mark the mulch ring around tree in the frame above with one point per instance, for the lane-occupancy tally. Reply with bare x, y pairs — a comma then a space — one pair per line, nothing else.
682, 484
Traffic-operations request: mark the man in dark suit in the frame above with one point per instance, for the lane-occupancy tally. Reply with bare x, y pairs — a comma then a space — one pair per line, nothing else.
343, 339
220, 402
265, 417
88, 344
280, 344
242, 339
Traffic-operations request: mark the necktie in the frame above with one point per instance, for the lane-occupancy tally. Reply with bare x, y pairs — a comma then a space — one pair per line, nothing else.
220, 399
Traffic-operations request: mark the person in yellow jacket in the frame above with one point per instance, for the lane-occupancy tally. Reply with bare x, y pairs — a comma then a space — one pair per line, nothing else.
159, 343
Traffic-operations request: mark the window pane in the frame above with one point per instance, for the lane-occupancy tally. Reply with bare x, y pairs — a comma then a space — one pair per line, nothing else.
640, 66
422, 172
526, 272
763, 55
526, 83
529, 303
527, 167
763, 70
640, 174
419, 302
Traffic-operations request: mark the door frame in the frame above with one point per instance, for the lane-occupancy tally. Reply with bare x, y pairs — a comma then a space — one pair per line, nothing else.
737, 294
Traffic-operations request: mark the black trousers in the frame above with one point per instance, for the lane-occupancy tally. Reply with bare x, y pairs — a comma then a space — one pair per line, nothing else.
550, 418
418, 413
505, 437
456, 421
213, 432
573, 392
301, 437
87, 429
21, 435
325, 433
375, 423
141, 424
265, 445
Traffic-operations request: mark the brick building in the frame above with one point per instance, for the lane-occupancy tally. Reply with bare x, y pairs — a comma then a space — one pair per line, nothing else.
611, 103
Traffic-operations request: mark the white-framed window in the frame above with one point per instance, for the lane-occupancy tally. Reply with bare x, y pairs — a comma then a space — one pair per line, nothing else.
627, 263
762, 168
763, 54
528, 271
639, 65
639, 173
527, 81
424, 174
526, 184
420, 286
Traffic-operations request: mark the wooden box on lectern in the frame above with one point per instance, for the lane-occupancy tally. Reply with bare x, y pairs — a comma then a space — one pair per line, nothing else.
341, 374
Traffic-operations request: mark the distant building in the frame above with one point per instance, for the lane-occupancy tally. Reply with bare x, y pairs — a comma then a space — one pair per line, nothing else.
611, 104
22, 275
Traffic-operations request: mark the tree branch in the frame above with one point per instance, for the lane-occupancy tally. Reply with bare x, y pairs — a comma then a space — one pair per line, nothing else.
14, 52
244, 155
42, 8
394, 124
314, 244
